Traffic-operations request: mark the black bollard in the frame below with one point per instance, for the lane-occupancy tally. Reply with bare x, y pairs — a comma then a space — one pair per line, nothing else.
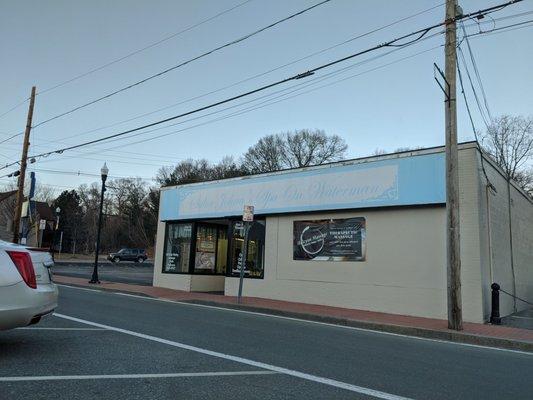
495, 313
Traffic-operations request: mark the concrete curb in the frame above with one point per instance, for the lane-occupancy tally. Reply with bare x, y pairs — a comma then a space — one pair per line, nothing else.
448, 336
147, 263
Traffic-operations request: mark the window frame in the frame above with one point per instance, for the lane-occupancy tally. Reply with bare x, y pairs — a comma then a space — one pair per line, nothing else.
193, 259
193, 234
229, 266
192, 248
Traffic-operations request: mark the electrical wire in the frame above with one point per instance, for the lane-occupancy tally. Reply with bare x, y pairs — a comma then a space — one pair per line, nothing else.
307, 83
476, 71
295, 77
260, 89
482, 111
166, 71
79, 173
474, 130
265, 103
268, 102
503, 29
14, 107
11, 137
258, 75
158, 42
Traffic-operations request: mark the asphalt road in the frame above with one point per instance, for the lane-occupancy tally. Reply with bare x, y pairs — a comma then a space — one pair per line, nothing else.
111, 346
123, 272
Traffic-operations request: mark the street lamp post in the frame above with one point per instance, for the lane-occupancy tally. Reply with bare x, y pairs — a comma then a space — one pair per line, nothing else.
94, 278
52, 246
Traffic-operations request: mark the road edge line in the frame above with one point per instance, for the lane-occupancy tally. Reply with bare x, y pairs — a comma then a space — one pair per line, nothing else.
462, 339
269, 367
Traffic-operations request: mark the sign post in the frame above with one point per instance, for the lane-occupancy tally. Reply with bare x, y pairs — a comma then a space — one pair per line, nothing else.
42, 227
247, 217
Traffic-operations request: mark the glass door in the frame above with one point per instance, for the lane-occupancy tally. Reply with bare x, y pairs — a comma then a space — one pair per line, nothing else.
211, 249
253, 267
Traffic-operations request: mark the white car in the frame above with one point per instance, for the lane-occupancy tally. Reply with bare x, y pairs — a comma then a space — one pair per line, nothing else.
27, 291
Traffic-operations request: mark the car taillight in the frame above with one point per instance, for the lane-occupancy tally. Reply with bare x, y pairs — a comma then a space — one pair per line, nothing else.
22, 261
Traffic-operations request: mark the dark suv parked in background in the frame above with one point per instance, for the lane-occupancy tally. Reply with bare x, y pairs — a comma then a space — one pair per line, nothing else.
137, 255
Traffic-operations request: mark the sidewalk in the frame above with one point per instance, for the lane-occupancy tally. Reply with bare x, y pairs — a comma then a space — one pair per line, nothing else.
473, 333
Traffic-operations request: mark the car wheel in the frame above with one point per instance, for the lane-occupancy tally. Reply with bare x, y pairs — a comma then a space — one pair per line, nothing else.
116, 259
140, 259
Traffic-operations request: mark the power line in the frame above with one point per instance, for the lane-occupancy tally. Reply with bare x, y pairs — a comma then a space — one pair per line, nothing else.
262, 104
476, 71
196, 97
474, 130
260, 89
14, 107
11, 137
158, 42
420, 32
266, 103
75, 78
79, 173
277, 68
476, 97
333, 73
503, 29
260, 74
280, 99
216, 49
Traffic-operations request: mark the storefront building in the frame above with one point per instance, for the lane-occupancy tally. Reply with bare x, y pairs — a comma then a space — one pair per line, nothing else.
366, 233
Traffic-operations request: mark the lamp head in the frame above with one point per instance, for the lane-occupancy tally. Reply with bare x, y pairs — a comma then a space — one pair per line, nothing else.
104, 171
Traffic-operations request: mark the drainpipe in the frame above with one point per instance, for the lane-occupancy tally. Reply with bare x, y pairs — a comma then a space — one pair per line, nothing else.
489, 225
511, 239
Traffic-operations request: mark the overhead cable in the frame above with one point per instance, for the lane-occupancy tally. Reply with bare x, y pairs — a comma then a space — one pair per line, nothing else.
156, 43
166, 71
257, 75
265, 87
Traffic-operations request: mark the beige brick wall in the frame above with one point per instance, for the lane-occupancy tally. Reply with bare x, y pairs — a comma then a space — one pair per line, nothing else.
405, 268
403, 272
495, 224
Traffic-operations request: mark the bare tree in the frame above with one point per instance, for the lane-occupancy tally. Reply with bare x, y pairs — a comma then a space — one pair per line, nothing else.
44, 193
525, 180
190, 171
266, 155
187, 171
293, 150
312, 147
509, 140
379, 152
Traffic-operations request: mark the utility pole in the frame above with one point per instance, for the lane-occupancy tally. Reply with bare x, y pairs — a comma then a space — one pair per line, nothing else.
20, 192
453, 249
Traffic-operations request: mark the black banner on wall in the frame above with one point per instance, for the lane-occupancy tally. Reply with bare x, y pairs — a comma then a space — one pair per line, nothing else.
329, 240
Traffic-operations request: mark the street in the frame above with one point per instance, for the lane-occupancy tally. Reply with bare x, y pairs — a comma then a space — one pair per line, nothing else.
124, 272
114, 346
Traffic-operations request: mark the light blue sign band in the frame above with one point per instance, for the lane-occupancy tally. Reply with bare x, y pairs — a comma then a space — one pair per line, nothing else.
404, 181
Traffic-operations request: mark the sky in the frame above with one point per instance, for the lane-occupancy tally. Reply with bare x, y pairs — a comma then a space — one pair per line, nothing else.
382, 101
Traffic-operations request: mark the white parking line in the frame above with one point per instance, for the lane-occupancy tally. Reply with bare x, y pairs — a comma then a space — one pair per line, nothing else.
80, 288
129, 376
60, 329
257, 364
353, 328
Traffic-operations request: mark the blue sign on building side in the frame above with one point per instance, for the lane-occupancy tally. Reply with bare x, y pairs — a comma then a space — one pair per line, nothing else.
403, 181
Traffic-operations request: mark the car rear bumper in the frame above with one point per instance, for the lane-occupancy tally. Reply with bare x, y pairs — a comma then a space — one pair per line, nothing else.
20, 304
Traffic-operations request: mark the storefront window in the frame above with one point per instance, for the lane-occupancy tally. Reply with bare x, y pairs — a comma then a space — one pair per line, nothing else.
206, 246
256, 244
177, 248
222, 250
